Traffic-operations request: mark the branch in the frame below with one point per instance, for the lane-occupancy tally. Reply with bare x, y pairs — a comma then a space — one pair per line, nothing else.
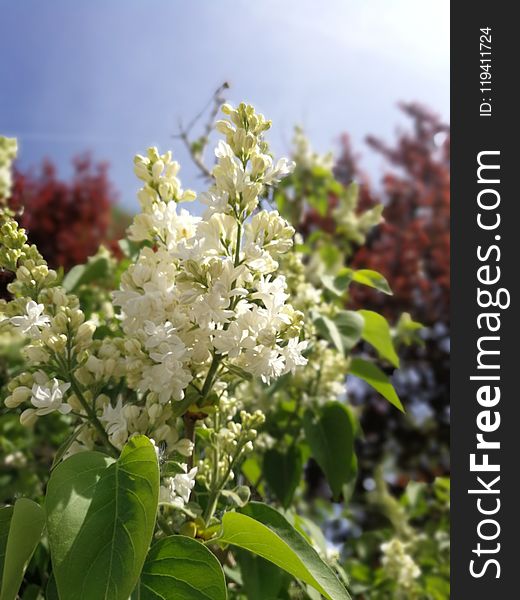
197, 146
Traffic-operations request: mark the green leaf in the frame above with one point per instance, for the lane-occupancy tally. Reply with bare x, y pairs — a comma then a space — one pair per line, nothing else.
350, 326
330, 434
265, 532
62, 450
6, 514
100, 519
181, 568
261, 579
51, 591
407, 331
372, 279
343, 280
373, 375
238, 496
329, 330
283, 471
26, 524
252, 470
93, 270
376, 332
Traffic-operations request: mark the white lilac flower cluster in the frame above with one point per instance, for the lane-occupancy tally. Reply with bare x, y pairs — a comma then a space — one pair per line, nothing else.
307, 158
203, 297
67, 371
324, 377
399, 564
176, 490
202, 309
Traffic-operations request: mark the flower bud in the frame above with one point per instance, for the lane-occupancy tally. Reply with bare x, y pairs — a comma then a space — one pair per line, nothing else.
85, 331
157, 169
19, 395
23, 274
35, 354
60, 322
28, 417
154, 412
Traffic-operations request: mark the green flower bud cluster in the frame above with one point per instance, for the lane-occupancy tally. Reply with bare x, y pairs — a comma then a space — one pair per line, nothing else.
8, 150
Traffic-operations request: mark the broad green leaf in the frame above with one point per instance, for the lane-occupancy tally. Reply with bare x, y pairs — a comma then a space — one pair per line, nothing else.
407, 331
376, 332
31, 592
101, 513
372, 279
181, 568
6, 514
265, 532
312, 593
283, 471
330, 434
350, 326
94, 269
260, 578
252, 469
373, 375
25, 530
51, 591
343, 280
329, 330
311, 532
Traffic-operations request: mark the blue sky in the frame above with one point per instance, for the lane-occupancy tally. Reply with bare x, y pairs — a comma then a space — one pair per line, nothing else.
114, 76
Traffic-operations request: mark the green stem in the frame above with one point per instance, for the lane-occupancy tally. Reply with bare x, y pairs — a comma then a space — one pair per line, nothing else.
90, 410
214, 493
211, 507
92, 416
208, 382
217, 358
237, 245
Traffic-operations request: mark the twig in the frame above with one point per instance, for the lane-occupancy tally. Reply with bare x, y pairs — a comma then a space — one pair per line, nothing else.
197, 153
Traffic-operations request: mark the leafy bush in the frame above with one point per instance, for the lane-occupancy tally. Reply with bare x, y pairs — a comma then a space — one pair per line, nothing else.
190, 383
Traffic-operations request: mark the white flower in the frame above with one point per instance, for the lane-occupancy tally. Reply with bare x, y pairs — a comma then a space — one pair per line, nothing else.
398, 563
115, 422
177, 489
273, 294
293, 354
275, 174
216, 202
270, 231
48, 399
264, 362
32, 321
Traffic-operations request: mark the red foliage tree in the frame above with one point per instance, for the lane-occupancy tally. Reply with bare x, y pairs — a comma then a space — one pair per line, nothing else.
412, 247
67, 220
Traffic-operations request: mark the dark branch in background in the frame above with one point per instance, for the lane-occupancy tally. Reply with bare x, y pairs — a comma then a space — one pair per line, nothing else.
197, 146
